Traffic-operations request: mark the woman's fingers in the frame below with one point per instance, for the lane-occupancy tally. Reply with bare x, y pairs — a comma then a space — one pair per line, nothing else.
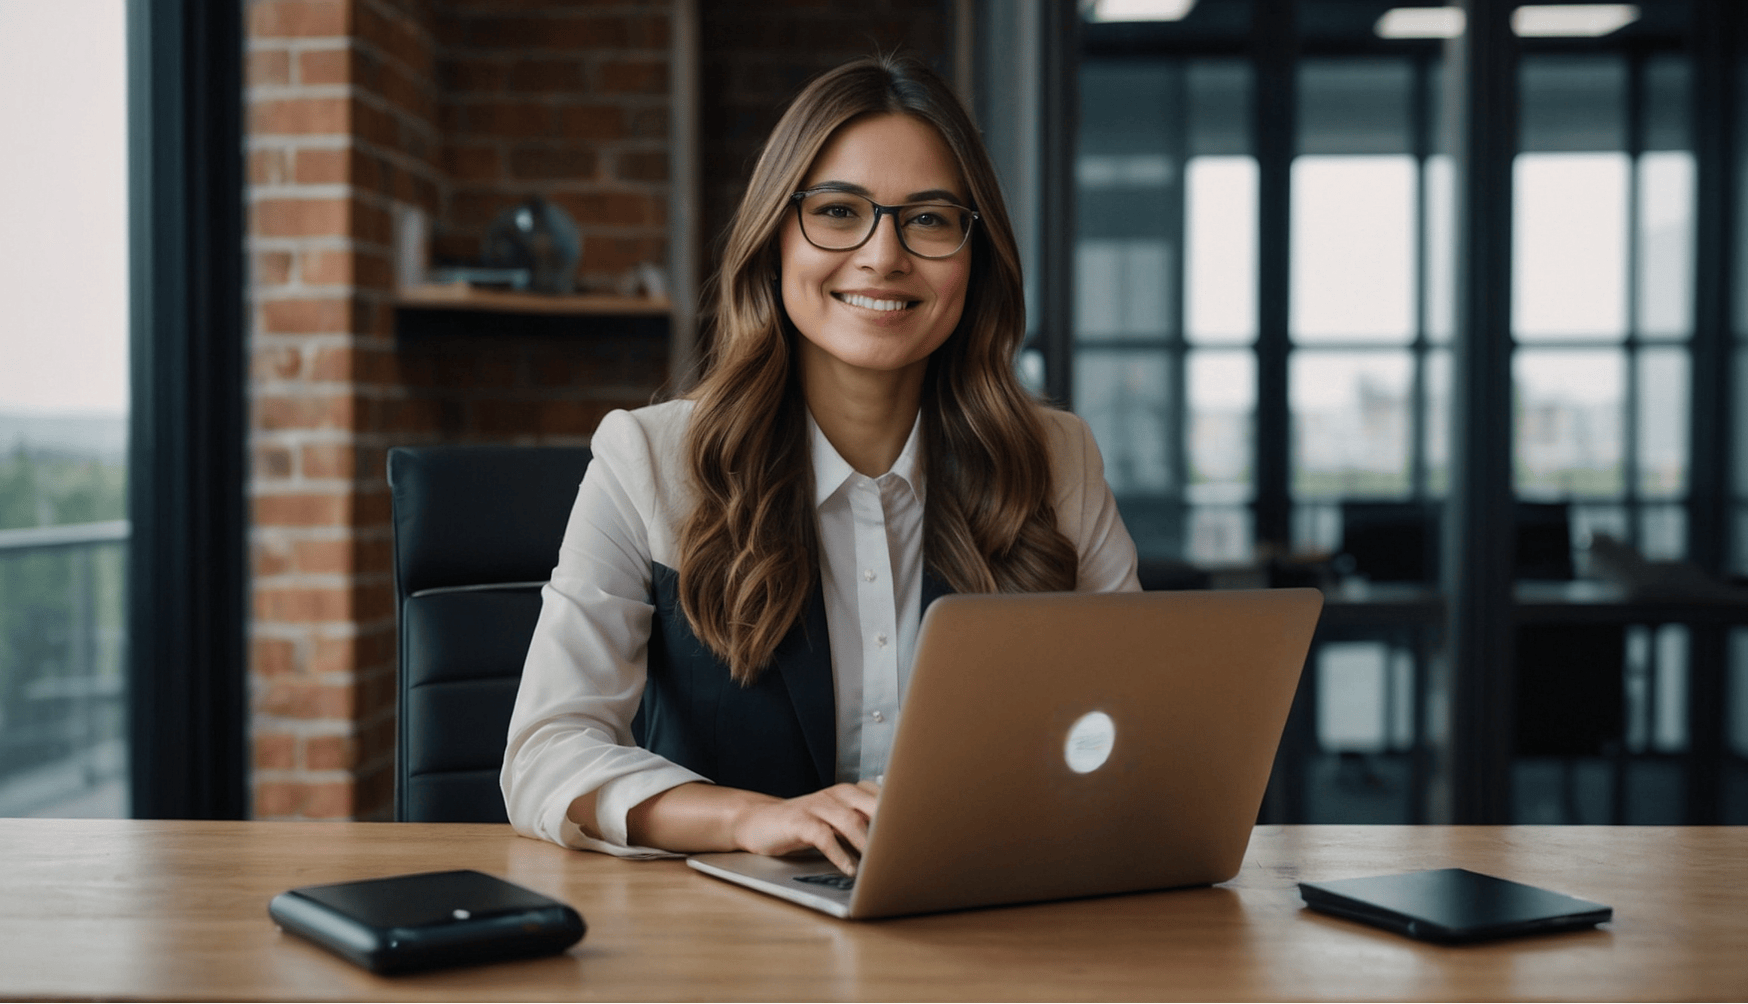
833, 821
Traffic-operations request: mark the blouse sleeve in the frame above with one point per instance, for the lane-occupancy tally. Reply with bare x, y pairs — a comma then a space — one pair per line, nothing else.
570, 732
1087, 511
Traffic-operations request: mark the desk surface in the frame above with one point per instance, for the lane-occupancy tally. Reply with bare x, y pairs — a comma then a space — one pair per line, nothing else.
125, 909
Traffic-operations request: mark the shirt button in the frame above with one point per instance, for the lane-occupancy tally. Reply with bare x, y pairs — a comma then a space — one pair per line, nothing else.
880, 639
879, 717
867, 575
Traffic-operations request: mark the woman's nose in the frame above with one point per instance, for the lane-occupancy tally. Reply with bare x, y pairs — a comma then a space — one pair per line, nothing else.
884, 252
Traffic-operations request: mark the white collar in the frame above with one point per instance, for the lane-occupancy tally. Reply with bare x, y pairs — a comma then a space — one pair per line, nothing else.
831, 471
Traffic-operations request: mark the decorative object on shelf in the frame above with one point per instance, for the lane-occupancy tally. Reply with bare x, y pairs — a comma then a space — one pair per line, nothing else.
515, 279
540, 237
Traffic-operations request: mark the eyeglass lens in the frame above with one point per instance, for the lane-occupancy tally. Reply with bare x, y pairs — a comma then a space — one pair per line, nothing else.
840, 220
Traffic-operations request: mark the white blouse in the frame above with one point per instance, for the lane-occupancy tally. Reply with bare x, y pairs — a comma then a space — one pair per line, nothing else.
570, 733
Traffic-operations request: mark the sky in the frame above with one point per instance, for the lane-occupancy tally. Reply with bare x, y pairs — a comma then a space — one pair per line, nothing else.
63, 207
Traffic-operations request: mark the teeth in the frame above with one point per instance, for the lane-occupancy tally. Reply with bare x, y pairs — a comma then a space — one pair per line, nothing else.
863, 301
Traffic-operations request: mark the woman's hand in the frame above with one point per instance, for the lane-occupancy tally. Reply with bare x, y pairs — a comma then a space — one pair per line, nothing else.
826, 820
705, 817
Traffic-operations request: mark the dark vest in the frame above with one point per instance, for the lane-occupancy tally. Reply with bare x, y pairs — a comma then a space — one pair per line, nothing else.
779, 735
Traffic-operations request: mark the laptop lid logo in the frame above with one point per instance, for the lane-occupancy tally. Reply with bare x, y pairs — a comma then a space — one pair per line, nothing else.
1089, 742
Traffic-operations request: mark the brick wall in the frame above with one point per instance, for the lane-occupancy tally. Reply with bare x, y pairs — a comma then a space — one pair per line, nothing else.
460, 108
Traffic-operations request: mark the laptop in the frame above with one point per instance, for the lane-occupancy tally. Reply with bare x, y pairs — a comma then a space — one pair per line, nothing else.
1060, 745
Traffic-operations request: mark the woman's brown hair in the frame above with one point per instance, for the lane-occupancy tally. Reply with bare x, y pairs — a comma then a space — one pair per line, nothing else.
749, 551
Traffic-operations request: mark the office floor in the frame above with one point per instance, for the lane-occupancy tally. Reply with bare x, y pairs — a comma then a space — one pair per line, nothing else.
1373, 788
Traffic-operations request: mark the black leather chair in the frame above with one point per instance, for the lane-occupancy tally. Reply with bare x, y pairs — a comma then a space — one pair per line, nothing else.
476, 534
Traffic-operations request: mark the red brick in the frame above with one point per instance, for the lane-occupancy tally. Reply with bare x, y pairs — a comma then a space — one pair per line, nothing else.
268, 558
302, 217
316, 67
273, 657
641, 165
526, 119
473, 163
487, 32
323, 167
272, 268
305, 605
323, 557
304, 509
575, 418
301, 117
347, 655
467, 75
351, 363
591, 122
268, 68
297, 18
306, 317
274, 412
648, 123
278, 800
335, 656
275, 751
269, 167
371, 124
326, 462
327, 268
547, 76
329, 753
272, 463
305, 700
639, 77
277, 362
546, 163
621, 209
329, 800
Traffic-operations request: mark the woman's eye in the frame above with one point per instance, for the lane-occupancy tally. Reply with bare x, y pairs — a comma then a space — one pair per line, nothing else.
928, 220
837, 211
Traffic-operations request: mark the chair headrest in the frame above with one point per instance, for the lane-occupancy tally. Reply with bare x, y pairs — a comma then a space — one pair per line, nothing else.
473, 515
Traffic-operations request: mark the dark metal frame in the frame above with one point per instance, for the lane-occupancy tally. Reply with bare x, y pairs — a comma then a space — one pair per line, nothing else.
187, 614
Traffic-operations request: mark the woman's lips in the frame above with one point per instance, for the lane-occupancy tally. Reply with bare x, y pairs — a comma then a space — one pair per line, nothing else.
879, 301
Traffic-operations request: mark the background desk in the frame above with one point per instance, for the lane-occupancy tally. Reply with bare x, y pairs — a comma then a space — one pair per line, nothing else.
124, 909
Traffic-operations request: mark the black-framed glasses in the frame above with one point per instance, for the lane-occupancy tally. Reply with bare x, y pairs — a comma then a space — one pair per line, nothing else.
836, 220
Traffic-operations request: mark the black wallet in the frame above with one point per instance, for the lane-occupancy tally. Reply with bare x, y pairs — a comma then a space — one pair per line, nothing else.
425, 921
1453, 905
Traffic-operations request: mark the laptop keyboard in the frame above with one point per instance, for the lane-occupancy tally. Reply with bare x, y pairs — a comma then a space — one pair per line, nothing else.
834, 880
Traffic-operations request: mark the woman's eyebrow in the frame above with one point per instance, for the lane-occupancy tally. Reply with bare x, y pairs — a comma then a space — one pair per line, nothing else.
931, 195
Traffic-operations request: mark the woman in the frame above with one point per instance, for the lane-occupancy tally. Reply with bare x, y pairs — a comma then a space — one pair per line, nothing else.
726, 640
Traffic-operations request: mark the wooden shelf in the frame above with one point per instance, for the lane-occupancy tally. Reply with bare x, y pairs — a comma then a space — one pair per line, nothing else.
460, 296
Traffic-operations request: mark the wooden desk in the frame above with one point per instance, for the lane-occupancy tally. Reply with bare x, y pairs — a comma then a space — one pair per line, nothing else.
126, 909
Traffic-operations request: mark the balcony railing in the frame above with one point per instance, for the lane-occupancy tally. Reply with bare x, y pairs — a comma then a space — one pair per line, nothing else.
62, 681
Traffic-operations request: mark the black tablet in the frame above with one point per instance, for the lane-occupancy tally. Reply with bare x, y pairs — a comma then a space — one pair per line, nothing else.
1452, 905
424, 921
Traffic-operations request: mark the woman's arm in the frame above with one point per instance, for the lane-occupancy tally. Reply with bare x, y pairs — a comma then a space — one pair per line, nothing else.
705, 817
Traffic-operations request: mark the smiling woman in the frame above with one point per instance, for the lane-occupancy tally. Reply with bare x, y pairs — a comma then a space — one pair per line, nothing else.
727, 638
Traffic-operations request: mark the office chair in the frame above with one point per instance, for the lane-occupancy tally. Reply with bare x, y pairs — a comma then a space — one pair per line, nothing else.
476, 534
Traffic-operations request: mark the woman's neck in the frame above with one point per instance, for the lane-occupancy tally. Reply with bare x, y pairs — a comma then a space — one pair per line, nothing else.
866, 415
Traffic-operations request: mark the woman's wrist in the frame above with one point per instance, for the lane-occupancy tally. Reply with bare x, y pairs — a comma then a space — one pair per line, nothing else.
693, 817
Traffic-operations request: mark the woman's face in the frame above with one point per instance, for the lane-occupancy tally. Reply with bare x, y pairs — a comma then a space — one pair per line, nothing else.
878, 307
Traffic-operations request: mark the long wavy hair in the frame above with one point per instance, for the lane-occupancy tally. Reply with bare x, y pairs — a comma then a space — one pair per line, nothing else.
749, 550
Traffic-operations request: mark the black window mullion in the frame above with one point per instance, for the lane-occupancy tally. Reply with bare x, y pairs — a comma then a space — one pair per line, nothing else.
1274, 33
186, 567
1630, 459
